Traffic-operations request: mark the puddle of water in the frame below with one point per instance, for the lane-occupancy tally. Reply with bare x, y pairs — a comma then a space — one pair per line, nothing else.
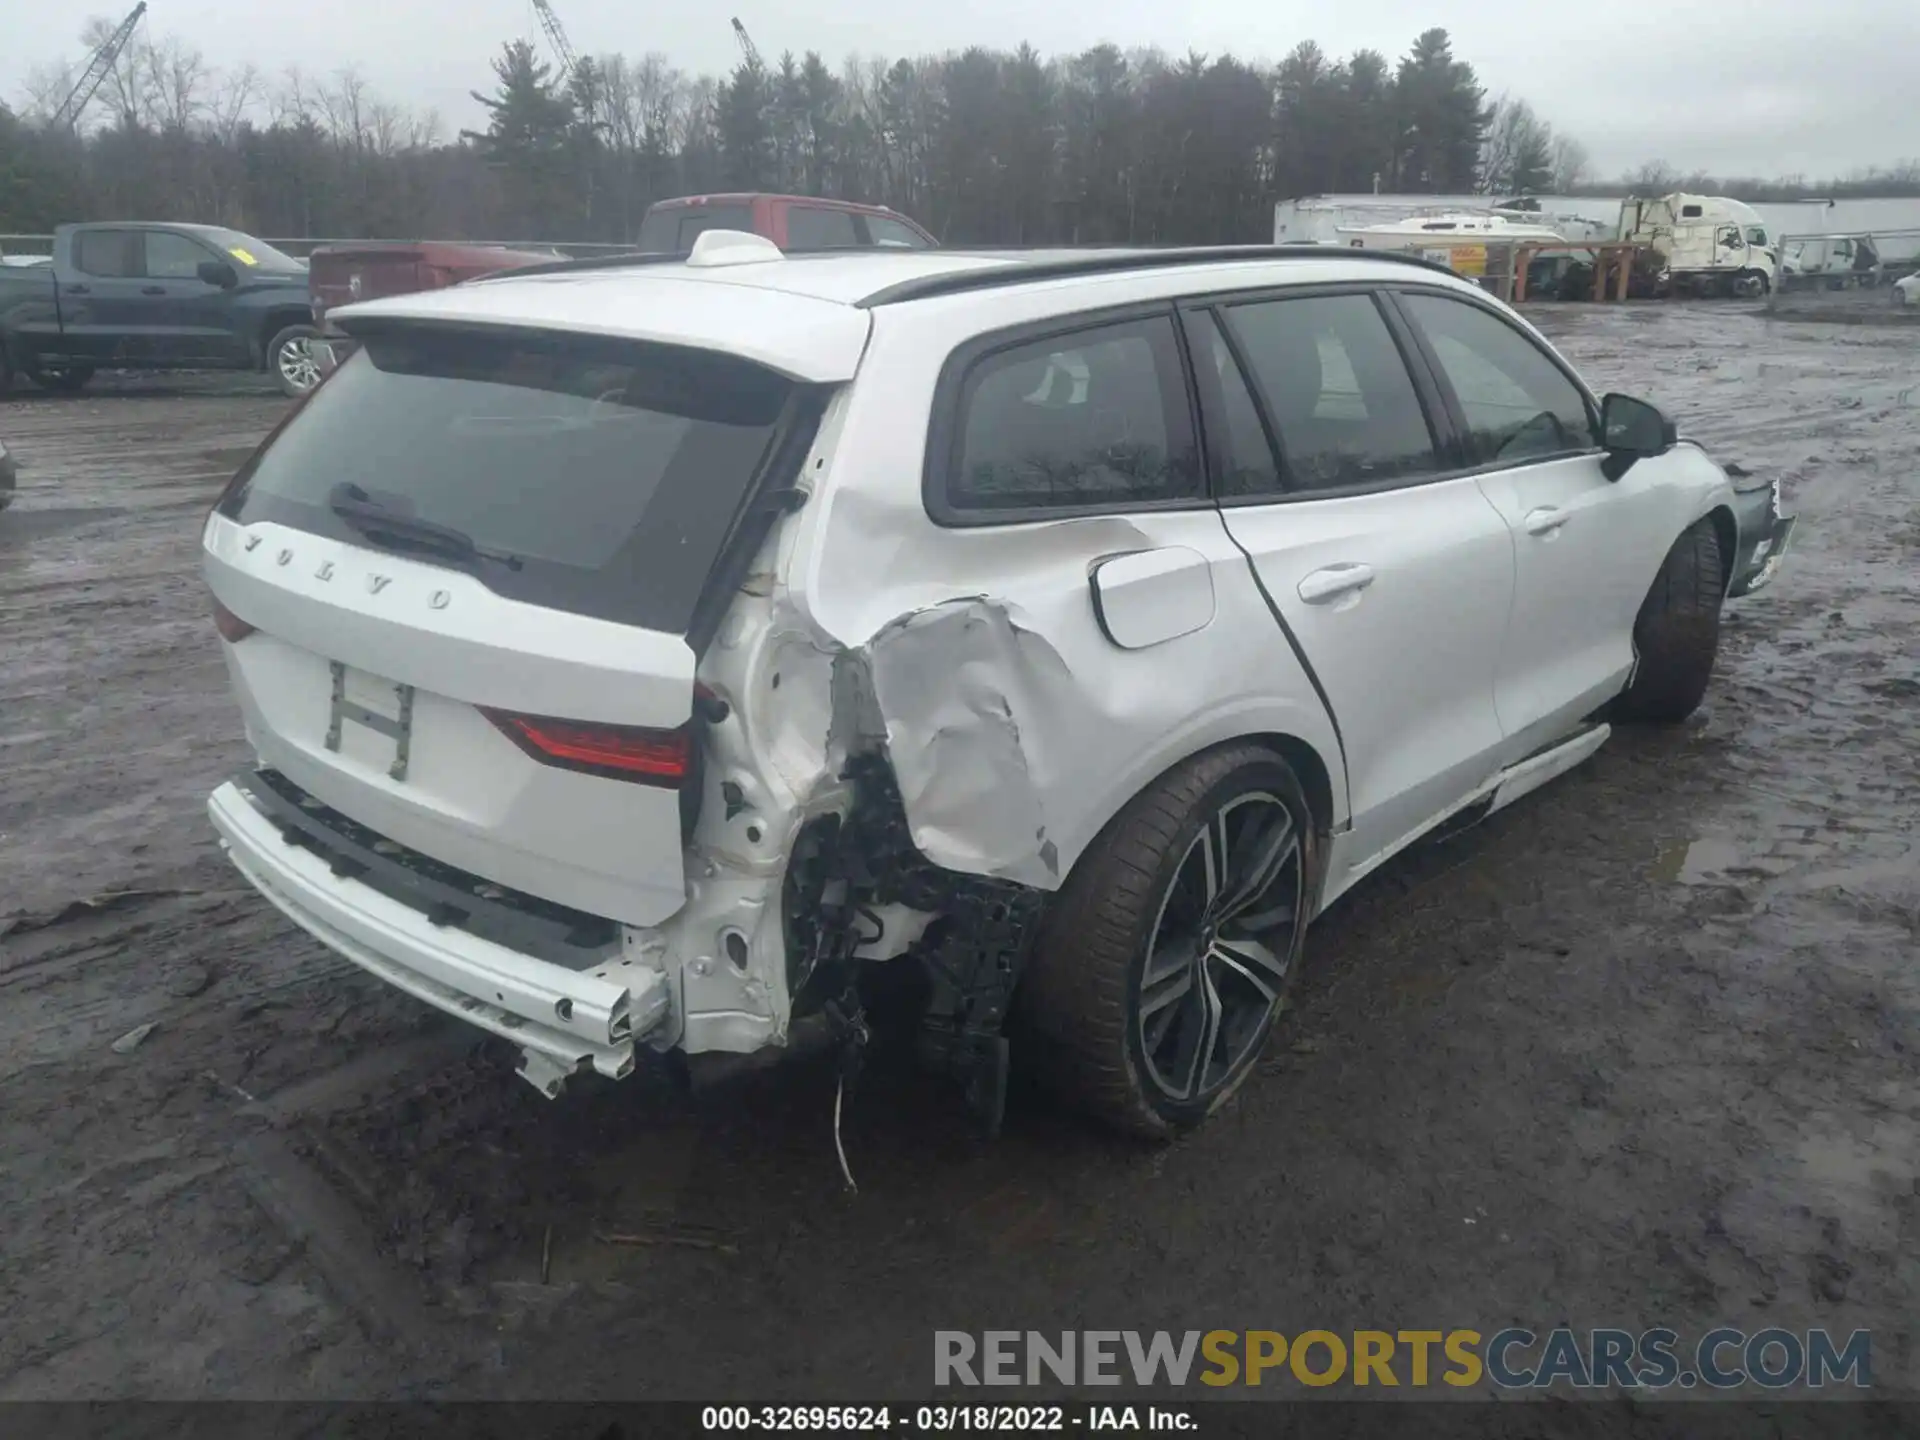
1696, 862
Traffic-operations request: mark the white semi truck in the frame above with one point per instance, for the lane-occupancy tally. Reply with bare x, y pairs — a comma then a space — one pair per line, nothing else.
1708, 244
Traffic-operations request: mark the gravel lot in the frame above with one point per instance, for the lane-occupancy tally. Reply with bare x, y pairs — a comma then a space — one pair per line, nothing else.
1639, 1051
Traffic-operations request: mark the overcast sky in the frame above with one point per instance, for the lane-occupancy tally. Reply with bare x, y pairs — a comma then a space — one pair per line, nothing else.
1766, 87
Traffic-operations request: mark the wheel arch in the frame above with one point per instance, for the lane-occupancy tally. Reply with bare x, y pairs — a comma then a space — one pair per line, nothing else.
1305, 759
271, 324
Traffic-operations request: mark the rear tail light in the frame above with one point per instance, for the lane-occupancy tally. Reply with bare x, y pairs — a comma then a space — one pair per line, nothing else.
617, 752
231, 627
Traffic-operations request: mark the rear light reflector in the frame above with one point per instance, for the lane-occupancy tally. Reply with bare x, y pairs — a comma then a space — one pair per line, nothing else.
231, 627
617, 752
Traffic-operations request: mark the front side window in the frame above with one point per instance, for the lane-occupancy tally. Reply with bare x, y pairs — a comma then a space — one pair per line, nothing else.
1242, 458
1096, 418
1518, 404
1336, 389
173, 257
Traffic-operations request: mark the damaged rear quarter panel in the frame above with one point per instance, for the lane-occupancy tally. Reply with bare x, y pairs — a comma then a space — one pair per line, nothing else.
1015, 727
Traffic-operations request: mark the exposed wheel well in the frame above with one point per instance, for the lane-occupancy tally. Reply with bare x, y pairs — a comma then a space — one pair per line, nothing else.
276, 321
1312, 770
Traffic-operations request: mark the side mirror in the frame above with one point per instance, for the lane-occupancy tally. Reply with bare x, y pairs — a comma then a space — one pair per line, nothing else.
1633, 430
218, 272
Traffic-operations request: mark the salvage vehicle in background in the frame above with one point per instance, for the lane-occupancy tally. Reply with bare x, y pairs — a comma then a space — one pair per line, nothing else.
650, 654
367, 270
1711, 245
136, 296
792, 222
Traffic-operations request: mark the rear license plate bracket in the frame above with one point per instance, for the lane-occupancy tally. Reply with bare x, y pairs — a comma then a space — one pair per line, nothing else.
397, 728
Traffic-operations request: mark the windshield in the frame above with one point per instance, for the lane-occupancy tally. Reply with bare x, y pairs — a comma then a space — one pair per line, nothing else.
250, 251
609, 472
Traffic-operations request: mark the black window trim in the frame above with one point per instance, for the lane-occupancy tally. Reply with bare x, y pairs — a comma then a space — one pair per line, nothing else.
1471, 462
944, 426
1441, 422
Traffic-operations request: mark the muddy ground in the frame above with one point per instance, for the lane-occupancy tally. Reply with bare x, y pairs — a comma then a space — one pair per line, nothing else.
1640, 1051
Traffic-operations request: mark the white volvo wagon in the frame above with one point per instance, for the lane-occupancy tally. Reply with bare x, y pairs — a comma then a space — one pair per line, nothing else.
650, 653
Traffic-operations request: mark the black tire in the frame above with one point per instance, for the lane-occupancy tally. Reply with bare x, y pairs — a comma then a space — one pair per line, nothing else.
63, 379
1677, 633
1080, 1002
6, 373
294, 376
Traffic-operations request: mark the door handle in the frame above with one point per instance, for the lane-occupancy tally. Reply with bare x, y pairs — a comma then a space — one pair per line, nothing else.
153, 289
76, 289
1331, 583
1546, 520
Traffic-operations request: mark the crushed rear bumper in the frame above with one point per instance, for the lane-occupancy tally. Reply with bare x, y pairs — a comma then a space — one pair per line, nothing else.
560, 1018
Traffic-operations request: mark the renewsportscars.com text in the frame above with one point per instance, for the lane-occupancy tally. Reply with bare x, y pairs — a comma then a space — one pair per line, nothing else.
1509, 1359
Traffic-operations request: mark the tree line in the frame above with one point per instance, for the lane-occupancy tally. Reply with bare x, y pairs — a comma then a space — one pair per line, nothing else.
983, 146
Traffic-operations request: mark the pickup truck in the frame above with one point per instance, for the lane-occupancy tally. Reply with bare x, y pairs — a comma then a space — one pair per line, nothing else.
138, 296
793, 222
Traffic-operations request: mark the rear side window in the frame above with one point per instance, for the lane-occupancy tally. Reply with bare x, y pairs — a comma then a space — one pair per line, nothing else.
1518, 404
594, 476
1096, 419
667, 232
1336, 389
812, 227
106, 252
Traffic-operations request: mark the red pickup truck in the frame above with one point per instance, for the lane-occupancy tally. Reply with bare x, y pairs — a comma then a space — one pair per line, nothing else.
341, 274
793, 222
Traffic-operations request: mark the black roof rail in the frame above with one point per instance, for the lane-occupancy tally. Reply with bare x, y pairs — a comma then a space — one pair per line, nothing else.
989, 277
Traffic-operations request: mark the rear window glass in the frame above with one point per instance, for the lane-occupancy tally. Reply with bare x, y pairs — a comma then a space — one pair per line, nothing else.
668, 232
593, 476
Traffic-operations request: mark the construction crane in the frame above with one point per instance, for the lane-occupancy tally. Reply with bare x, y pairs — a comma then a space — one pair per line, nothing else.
747, 47
99, 65
556, 37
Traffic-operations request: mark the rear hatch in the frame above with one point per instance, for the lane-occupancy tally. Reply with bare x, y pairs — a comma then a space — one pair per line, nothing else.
457, 588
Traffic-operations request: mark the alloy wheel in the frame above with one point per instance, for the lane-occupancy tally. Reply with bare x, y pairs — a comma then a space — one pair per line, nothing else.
299, 364
1222, 943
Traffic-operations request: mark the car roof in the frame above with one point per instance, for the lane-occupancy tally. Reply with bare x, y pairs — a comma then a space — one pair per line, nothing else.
808, 316
747, 197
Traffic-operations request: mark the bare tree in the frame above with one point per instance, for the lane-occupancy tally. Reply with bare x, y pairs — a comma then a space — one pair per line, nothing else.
47, 88
1656, 177
1570, 164
128, 86
232, 102
176, 80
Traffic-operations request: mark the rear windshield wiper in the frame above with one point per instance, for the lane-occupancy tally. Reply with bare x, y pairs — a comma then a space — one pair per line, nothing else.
378, 522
